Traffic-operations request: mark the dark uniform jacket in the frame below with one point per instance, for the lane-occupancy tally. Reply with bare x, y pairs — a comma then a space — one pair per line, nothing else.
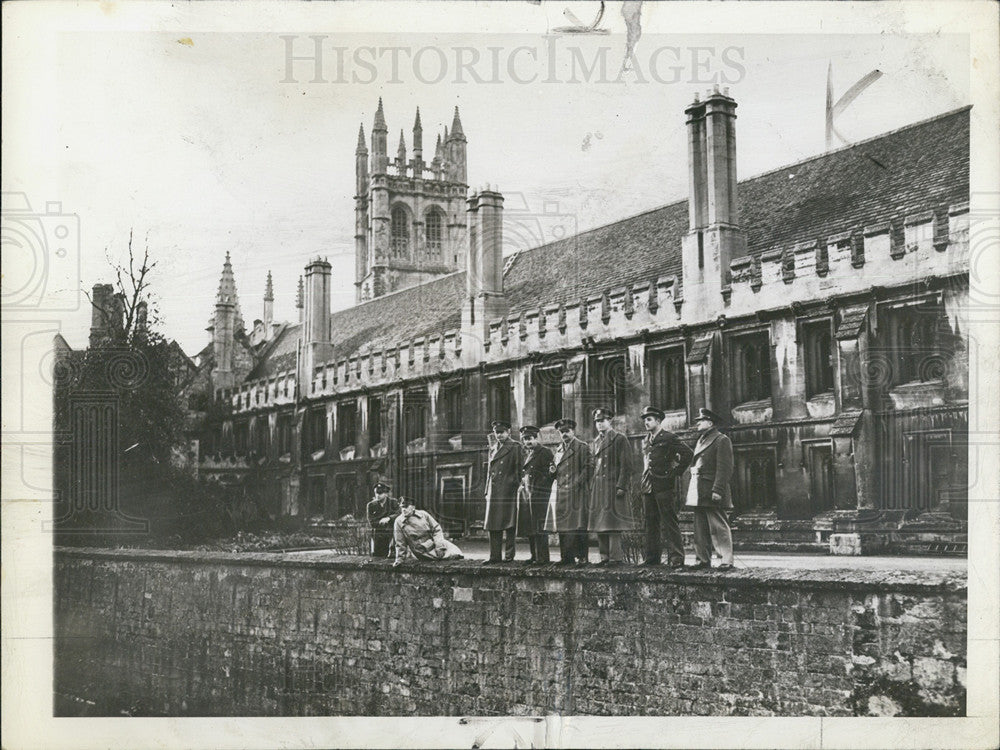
503, 476
665, 458
613, 471
711, 471
573, 466
378, 510
533, 494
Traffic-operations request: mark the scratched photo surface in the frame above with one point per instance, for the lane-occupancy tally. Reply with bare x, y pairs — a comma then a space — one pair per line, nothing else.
530, 374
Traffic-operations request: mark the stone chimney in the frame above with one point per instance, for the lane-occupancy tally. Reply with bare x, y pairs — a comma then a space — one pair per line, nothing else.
316, 340
102, 307
484, 294
714, 237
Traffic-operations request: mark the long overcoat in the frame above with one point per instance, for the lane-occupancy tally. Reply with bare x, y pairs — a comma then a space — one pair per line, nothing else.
613, 471
711, 471
573, 465
503, 476
533, 494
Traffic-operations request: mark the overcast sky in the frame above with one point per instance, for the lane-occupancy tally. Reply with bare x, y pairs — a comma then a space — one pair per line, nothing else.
207, 141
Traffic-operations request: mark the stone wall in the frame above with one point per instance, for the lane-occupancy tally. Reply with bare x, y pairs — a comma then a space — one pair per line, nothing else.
197, 633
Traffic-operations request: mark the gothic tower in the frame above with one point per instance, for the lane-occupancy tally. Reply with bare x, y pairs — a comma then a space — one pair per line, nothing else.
410, 223
226, 323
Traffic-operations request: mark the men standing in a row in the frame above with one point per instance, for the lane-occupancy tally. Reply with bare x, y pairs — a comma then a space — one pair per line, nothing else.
572, 466
382, 511
533, 495
664, 458
709, 492
609, 512
503, 476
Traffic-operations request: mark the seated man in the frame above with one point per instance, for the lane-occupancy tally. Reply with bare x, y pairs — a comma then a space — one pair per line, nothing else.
419, 537
382, 511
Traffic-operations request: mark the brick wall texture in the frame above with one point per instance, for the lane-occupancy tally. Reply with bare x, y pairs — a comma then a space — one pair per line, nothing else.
173, 633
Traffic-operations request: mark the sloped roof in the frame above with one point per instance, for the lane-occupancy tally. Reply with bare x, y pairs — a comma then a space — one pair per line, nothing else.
907, 170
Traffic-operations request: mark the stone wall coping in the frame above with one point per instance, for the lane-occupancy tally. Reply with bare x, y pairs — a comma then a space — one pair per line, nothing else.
830, 579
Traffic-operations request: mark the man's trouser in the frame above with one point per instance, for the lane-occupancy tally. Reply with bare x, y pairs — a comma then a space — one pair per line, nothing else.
573, 546
609, 543
661, 521
504, 539
539, 545
711, 529
380, 543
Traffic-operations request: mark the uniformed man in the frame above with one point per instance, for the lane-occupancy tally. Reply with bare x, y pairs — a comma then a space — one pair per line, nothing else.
610, 514
503, 476
533, 495
664, 458
572, 467
382, 511
709, 492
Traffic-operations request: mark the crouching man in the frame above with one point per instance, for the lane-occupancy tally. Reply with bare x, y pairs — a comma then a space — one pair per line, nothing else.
419, 537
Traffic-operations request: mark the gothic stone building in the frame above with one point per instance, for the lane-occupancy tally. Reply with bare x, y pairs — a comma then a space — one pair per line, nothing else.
819, 306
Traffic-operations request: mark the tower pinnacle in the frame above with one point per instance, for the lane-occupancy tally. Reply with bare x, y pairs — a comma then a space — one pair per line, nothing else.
380, 118
362, 146
456, 126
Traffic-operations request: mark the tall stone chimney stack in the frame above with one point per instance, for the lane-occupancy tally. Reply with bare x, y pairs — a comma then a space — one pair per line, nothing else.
485, 299
714, 237
316, 338
102, 304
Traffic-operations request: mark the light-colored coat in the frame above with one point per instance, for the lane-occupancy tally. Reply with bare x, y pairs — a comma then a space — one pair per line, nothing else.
420, 537
573, 467
711, 471
610, 510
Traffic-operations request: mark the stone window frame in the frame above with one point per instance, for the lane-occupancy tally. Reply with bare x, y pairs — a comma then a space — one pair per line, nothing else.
435, 219
314, 430
747, 471
347, 429
672, 349
448, 409
400, 245
414, 412
819, 378
747, 379
374, 419
547, 380
909, 334
495, 410
615, 397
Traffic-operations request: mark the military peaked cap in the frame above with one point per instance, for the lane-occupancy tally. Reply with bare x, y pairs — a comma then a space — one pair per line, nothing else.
652, 411
603, 413
710, 415
529, 430
500, 423
571, 423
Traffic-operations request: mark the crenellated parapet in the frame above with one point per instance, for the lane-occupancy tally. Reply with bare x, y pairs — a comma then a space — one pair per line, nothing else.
618, 312
922, 244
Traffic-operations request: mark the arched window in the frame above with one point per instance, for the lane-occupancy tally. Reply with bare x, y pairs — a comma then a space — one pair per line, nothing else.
400, 231
432, 233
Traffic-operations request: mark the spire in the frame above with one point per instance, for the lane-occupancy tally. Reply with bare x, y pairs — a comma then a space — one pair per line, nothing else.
380, 118
269, 289
227, 285
300, 295
437, 148
418, 138
401, 154
456, 126
362, 146
445, 134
